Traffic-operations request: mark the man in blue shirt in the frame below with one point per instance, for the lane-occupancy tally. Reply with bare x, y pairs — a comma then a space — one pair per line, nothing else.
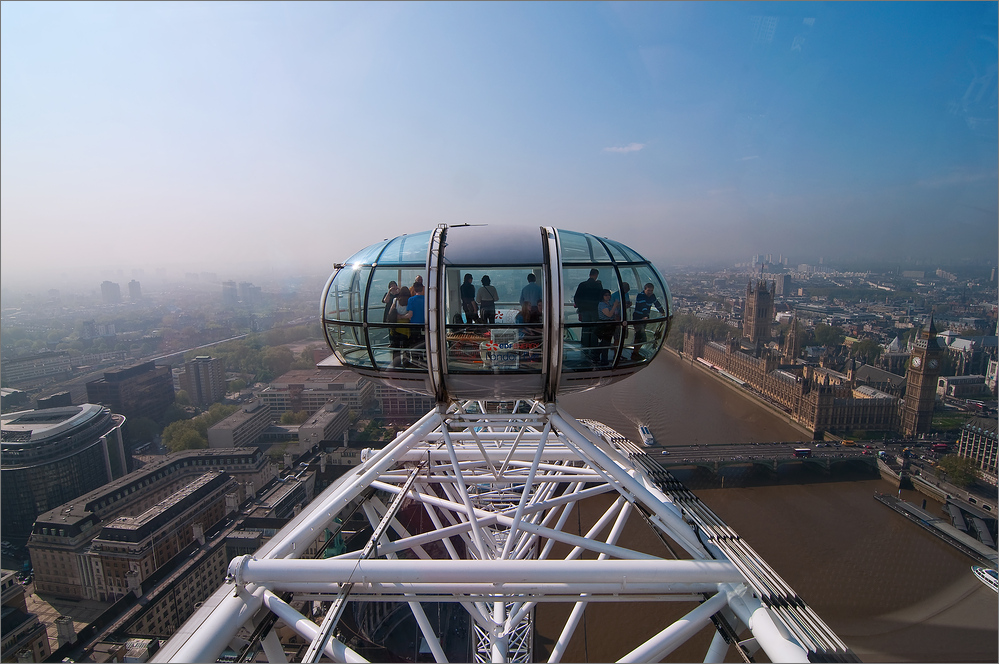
644, 302
416, 310
531, 294
417, 305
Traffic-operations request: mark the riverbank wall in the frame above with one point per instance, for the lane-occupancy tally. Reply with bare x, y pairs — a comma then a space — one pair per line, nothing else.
738, 389
701, 476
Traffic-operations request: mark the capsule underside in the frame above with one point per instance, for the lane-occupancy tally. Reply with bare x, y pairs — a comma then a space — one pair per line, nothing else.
557, 334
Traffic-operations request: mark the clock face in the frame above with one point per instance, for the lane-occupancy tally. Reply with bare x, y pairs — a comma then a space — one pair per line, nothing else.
933, 364
916, 362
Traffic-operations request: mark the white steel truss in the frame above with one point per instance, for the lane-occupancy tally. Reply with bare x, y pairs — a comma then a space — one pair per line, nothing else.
470, 509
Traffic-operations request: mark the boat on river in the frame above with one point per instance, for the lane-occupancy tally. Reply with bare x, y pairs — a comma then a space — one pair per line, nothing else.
647, 437
989, 577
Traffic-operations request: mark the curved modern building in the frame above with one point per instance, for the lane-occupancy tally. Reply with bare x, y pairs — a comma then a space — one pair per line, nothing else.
48, 457
546, 335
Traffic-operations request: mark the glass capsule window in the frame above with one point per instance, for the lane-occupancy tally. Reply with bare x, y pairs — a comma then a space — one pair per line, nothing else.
406, 249
615, 305
494, 319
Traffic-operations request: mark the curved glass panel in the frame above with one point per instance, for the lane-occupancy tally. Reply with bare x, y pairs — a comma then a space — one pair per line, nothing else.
581, 248
644, 302
581, 294
345, 297
622, 253
383, 293
644, 341
367, 255
348, 342
591, 334
406, 249
381, 338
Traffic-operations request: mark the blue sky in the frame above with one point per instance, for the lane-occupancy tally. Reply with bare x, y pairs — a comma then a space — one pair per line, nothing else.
225, 136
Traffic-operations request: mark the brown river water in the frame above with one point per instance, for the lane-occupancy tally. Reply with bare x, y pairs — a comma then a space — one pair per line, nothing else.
891, 591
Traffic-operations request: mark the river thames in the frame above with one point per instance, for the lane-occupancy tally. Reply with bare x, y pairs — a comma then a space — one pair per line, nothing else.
892, 591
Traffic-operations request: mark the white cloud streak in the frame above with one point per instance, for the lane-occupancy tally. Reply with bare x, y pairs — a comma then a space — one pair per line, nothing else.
630, 147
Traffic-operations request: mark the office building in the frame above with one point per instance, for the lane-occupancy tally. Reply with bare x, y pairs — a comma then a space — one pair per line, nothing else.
242, 427
310, 389
130, 548
25, 639
58, 400
60, 543
37, 369
395, 403
204, 380
110, 292
783, 283
325, 427
52, 456
978, 443
134, 290
142, 390
189, 580
11, 398
249, 294
230, 297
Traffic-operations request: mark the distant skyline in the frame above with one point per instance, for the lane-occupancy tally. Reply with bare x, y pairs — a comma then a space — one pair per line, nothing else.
247, 138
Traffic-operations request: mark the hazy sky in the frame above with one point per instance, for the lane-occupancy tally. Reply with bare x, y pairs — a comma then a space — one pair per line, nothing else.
207, 136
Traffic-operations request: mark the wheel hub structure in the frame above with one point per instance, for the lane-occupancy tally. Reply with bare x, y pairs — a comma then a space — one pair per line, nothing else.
470, 530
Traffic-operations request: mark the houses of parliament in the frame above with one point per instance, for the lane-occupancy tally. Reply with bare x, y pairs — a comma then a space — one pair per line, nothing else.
819, 398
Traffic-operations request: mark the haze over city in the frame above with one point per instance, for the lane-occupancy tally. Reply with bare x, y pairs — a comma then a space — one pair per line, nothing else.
282, 137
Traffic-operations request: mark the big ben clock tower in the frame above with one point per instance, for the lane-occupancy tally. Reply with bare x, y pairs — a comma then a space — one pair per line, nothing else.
921, 375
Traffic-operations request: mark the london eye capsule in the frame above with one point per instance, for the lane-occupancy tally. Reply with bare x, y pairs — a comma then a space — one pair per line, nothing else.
489, 312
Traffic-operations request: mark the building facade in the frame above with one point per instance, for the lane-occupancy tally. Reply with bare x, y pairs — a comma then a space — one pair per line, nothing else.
54, 365
310, 389
325, 427
110, 292
142, 390
25, 638
230, 297
129, 549
819, 399
393, 402
963, 387
242, 427
60, 542
204, 380
52, 456
978, 443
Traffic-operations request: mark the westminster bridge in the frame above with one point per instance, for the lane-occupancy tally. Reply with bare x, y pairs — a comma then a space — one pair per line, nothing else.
765, 463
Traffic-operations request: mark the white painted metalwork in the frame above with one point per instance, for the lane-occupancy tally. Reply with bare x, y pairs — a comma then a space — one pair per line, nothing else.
498, 496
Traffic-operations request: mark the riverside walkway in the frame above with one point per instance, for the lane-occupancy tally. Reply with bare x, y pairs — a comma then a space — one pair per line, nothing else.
945, 531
